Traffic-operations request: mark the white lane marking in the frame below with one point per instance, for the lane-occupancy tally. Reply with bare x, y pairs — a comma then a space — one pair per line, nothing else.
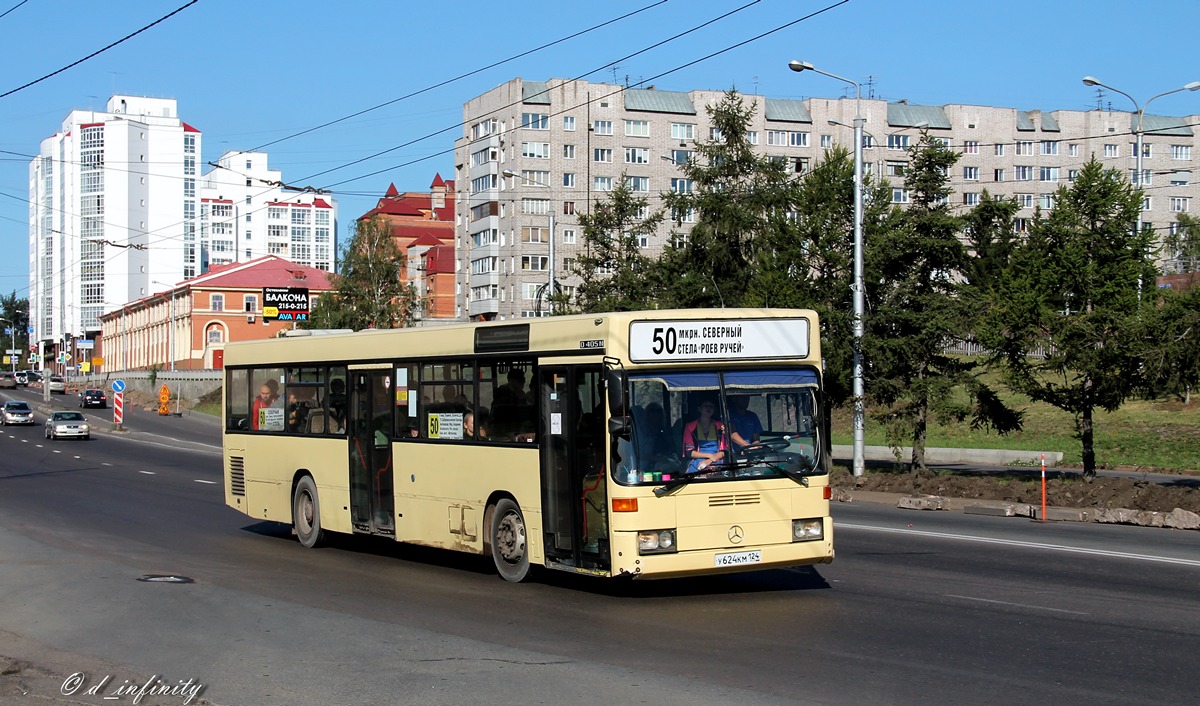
206, 482
1030, 545
57, 451
1015, 605
149, 473
105, 464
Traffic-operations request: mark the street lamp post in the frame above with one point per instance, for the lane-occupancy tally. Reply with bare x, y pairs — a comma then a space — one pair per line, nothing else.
859, 298
551, 285
1140, 110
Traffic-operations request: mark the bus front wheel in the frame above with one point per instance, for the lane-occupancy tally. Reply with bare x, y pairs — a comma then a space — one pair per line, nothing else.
306, 513
509, 546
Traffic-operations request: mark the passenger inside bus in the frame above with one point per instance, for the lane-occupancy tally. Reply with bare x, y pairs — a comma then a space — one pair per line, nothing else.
469, 428
655, 451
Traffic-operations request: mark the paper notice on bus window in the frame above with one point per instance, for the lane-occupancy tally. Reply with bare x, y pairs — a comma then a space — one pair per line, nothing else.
556, 422
445, 425
718, 339
271, 419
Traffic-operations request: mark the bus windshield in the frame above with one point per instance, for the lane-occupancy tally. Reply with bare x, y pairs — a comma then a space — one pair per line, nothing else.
722, 425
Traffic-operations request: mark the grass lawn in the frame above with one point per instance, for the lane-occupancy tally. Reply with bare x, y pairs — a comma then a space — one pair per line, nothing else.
1147, 433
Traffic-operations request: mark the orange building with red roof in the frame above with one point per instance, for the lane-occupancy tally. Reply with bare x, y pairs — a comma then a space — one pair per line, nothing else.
423, 227
189, 324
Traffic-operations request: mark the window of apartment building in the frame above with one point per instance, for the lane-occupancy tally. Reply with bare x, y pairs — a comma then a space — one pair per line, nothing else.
569, 123
274, 213
189, 144
1024, 148
216, 302
569, 180
681, 186
1073, 150
535, 177
998, 175
1112, 151
637, 128
1023, 173
189, 167
777, 138
1046, 201
899, 195
971, 173
535, 234
535, 121
276, 231
798, 139
970, 198
247, 199
483, 183
1048, 174
1181, 151
868, 142
1147, 203
483, 265
535, 207
1072, 175
602, 183
897, 142
1025, 200
680, 157
1049, 147
602, 127
568, 151
1020, 225
1147, 178
895, 168
483, 128
799, 165
250, 301
637, 183
602, 154
999, 149
1147, 149
535, 263
487, 291
715, 134
971, 147
637, 155
683, 215
568, 236
535, 150
1179, 204
943, 141
248, 218
322, 217
683, 131
300, 217
483, 238
752, 137
826, 141
568, 208
1180, 179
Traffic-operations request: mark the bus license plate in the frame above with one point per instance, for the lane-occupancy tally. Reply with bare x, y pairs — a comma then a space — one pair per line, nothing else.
738, 559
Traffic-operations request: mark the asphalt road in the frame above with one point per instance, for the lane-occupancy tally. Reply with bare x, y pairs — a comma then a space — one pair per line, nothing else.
917, 608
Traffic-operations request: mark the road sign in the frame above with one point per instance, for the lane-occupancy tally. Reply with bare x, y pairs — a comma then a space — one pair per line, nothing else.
118, 386
118, 403
164, 397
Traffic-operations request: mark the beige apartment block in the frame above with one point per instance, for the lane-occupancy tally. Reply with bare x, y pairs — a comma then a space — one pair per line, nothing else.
566, 143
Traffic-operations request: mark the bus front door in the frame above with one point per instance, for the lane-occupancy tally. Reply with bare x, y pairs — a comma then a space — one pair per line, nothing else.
574, 493
372, 500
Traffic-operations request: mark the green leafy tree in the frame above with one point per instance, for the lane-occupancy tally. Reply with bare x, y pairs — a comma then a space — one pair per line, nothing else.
1182, 247
914, 274
15, 311
737, 196
991, 239
615, 274
1073, 291
368, 291
1172, 344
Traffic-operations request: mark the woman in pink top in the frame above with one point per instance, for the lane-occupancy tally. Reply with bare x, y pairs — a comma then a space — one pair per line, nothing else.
704, 440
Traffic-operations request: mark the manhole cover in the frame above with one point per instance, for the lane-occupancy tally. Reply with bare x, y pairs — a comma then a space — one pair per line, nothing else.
164, 578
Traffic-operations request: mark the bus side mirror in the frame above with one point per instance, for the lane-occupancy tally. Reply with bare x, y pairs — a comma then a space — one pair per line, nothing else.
621, 427
618, 401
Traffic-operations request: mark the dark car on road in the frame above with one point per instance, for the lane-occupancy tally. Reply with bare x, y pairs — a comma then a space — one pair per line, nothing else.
93, 398
8, 381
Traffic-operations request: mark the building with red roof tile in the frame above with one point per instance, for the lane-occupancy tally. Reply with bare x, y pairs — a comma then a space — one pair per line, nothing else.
190, 323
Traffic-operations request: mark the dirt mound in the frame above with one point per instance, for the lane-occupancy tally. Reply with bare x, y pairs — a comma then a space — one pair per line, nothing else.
1062, 490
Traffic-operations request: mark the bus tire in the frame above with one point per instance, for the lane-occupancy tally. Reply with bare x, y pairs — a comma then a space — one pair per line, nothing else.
510, 547
306, 513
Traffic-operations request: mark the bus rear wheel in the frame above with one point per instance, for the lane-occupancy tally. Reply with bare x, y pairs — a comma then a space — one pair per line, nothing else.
510, 550
306, 513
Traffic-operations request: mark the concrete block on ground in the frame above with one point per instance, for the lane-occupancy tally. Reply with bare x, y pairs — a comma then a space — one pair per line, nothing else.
841, 495
1182, 519
921, 502
1175, 519
1061, 514
991, 510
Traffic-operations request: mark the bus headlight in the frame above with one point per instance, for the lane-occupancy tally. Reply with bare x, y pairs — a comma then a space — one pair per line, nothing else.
656, 541
808, 530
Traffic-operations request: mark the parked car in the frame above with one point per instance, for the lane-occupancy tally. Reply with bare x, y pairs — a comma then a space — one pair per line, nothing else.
8, 381
16, 412
56, 385
67, 424
93, 398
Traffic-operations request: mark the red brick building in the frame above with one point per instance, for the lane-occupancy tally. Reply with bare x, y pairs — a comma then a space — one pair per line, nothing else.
423, 226
190, 324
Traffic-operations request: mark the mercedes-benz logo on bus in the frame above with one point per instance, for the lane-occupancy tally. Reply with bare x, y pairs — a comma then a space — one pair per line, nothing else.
736, 533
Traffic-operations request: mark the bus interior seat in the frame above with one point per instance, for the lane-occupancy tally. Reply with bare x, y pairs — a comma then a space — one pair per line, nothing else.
316, 422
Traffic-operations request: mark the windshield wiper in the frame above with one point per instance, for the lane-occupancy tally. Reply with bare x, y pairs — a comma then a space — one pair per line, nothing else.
678, 482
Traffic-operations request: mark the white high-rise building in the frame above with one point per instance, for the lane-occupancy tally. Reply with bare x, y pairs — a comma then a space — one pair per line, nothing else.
113, 214
245, 213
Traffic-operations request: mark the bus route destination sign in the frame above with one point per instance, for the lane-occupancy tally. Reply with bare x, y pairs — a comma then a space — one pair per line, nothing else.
285, 303
718, 339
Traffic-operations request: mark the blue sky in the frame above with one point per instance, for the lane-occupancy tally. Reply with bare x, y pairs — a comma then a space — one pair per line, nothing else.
247, 73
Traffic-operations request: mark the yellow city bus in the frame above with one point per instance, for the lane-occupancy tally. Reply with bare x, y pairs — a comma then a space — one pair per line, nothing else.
645, 444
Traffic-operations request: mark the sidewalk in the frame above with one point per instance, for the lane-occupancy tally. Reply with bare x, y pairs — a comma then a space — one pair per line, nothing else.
936, 455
